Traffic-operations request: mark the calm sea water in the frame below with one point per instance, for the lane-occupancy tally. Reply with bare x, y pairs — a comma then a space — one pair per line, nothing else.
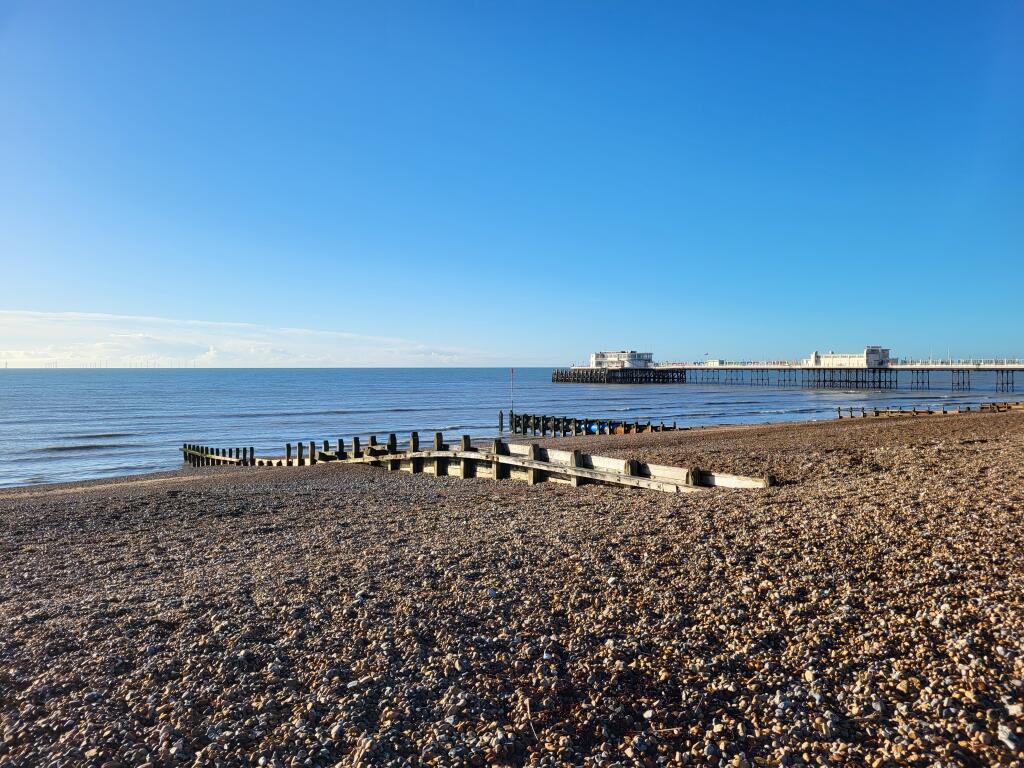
60, 425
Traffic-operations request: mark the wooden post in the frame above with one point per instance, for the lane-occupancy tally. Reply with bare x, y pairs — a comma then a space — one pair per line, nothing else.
393, 464
693, 476
543, 426
574, 461
629, 467
501, 471
501, 422
252, 455
357, 452
327, 445
341, 449
440, 464
467, 467
533, 476
298, 459
288, 454
533, 423
415, 465
839, 412
372, 440
312, 452
575, 428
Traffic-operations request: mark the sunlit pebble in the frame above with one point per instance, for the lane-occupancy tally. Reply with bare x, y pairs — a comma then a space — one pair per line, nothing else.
311, 617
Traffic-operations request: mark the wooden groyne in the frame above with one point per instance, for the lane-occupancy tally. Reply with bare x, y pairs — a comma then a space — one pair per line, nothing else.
529, 462
852, 412
540, 425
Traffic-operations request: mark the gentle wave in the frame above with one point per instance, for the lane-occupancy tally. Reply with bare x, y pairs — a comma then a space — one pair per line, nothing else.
330, 412
99, 423
83, 447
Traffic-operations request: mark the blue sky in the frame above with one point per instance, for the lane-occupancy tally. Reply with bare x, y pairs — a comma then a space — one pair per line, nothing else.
508, 183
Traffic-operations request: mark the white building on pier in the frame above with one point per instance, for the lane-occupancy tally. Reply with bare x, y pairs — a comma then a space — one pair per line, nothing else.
871, 357
626, 358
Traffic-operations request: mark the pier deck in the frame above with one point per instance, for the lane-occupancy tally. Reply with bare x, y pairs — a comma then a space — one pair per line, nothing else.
916, 375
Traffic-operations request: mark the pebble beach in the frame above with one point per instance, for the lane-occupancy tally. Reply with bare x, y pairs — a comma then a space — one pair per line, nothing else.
866, 611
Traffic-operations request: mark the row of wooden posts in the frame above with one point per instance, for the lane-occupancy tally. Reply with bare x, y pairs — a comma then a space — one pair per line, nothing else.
564, 426
900, 411
205, 456
530, 462
852, 413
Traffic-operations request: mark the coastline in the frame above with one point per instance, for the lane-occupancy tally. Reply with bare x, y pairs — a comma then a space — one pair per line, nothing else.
869, 610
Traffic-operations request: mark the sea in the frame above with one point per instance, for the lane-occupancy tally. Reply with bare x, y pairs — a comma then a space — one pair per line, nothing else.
59, 425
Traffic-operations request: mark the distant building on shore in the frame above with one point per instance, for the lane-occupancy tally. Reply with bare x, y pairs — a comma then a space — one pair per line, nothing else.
871, 357
626, 358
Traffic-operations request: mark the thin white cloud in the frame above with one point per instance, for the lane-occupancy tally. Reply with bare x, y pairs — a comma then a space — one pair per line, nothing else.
39, 339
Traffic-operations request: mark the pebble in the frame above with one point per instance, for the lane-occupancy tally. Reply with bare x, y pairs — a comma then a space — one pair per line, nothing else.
866, 611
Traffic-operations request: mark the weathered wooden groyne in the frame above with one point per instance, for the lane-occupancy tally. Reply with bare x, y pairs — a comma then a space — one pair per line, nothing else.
862, 412
540, 425
529, 462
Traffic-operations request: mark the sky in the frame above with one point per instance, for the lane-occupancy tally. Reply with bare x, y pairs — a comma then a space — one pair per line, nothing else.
485, 183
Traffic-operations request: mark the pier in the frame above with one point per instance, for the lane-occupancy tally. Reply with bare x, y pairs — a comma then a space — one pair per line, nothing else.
872, 369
